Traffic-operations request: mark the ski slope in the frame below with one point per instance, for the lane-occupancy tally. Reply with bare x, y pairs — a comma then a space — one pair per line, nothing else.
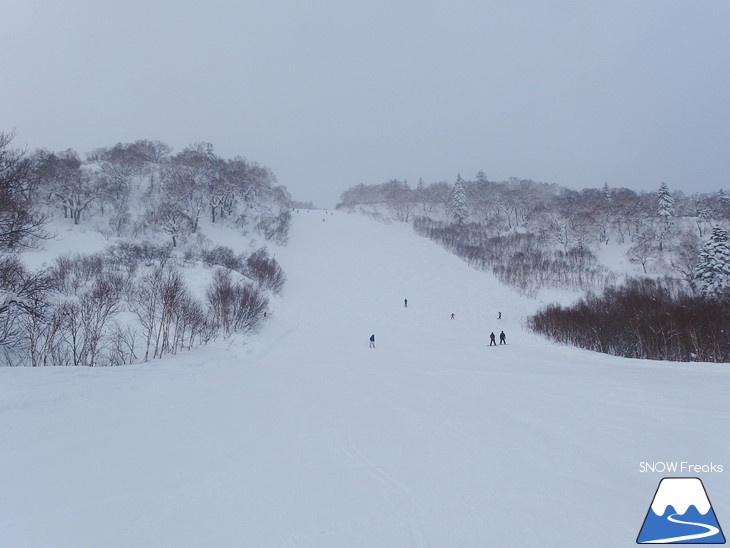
302, 436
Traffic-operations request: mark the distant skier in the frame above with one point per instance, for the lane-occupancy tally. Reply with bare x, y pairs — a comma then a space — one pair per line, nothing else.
452, 315
372, 341
492, 341
502, 338
499, 315
405, 303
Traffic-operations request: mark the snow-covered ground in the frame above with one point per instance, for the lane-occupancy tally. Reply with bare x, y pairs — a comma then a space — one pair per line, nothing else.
302, 436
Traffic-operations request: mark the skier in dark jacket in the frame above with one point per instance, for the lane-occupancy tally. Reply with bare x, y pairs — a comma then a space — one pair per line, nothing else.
372, 341
502, 338
405, 303
491, 339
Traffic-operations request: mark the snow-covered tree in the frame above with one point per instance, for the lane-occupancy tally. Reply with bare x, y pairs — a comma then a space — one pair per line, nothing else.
713, 269
723, 198
665, 204
420, 187
76, 194
721, 206
400, 199
665, 211
20, 224
686, 256
458, 205
643, 251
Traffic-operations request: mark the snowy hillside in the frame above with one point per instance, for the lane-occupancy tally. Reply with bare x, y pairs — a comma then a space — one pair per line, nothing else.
303, 436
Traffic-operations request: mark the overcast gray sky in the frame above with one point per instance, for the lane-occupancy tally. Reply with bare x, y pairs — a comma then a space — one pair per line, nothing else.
332, 93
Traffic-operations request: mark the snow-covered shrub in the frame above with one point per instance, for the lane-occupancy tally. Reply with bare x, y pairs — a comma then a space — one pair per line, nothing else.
86, 320
122, 345
73, 271
120, 222
147, 253
643, 318
223, 256
170, 317
518, 259
275, 227
265, 270
235, 306
22, 300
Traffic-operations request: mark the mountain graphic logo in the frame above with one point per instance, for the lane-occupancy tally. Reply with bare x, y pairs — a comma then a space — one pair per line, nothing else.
680, 513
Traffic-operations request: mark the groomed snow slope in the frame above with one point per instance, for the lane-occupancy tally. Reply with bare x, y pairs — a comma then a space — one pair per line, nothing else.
305, 437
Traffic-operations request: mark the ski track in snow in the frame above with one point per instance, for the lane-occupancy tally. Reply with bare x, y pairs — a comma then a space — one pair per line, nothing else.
303, 436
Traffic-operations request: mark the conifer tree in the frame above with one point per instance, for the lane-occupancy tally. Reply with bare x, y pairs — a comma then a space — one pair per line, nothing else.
606, 190
721, 206
713, 269
723, 198
665, 212
666, 204
458, 204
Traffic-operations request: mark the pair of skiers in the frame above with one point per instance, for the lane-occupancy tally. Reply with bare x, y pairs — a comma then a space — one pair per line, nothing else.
502, 338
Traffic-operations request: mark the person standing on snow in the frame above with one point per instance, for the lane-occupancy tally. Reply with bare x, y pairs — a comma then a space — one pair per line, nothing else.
491, 339
502, 338
372, 341
405, 303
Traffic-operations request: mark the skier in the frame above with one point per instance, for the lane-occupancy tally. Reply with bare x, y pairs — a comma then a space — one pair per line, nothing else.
405, 303
499, 315
372, 341
502, 338
452, 315
491, 339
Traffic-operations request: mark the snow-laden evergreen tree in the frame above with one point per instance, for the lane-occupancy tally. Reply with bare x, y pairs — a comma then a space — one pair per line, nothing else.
723, 198
458, 205
721, 206
713, 269
666, 204
665, 211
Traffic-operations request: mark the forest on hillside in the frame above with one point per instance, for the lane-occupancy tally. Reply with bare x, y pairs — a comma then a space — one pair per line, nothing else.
534, 235
130, 302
